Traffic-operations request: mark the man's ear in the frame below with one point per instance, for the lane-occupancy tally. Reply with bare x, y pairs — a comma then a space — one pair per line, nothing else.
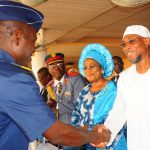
147, 42
17, 37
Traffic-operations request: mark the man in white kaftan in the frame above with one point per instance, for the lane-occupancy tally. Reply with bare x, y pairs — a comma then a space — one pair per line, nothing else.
132, 103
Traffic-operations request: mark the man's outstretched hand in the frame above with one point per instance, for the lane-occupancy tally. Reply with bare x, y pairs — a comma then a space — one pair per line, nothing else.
105, 133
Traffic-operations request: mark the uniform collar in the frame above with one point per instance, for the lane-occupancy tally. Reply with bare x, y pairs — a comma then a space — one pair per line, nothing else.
6, 58
57, 81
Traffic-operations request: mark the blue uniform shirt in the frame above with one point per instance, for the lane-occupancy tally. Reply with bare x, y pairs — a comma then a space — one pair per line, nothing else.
23, 114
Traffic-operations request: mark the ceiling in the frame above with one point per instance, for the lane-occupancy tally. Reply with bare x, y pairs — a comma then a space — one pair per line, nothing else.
83, 21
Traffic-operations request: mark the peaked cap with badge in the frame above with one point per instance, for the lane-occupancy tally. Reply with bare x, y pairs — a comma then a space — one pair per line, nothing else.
54, 58
10, 10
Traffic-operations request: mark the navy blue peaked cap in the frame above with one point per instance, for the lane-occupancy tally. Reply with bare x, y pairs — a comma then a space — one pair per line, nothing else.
10, 10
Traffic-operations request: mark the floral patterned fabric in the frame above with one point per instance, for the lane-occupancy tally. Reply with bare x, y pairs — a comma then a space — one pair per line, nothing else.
93, 108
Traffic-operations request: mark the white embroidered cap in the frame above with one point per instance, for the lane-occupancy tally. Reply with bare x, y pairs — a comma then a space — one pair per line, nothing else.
137, 29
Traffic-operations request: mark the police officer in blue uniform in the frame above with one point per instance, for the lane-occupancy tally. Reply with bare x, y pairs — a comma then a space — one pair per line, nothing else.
23, 113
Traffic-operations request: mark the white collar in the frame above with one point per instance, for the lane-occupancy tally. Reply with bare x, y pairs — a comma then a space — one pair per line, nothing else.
57, 81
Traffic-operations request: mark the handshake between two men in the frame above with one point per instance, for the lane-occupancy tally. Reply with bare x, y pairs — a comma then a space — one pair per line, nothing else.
104, 136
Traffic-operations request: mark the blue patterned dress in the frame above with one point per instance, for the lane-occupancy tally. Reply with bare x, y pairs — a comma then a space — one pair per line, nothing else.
93, 108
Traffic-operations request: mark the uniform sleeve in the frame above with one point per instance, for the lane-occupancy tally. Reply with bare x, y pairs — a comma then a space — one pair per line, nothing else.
117, 116
25, 107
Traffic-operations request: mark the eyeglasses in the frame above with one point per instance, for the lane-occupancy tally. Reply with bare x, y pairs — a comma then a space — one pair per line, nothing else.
92, 67
54, 66
131, 42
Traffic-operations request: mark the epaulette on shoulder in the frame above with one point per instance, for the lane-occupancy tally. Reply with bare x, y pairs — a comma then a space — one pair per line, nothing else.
72, 74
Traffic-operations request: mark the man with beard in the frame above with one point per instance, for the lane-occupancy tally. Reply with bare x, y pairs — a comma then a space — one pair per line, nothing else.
133, 95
